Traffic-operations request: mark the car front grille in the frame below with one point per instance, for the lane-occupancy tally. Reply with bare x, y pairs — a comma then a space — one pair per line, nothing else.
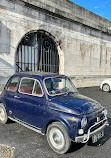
96, 127
94, 119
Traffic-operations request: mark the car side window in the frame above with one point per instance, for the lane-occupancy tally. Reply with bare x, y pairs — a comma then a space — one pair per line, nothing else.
13, 83
26, 85
37, 89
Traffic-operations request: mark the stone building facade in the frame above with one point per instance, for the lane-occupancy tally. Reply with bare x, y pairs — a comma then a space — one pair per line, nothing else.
82, 42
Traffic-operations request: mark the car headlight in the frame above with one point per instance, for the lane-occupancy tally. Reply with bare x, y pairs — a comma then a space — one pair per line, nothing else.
83, 122
105, 112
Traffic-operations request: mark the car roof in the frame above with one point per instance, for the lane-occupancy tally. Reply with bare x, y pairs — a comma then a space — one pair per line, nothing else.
37, 74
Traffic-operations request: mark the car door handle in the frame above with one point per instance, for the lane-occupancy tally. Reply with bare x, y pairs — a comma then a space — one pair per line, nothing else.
16, 96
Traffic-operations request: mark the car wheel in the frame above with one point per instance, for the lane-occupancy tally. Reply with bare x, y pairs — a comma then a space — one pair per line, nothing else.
106, 88
58, 138
3, 114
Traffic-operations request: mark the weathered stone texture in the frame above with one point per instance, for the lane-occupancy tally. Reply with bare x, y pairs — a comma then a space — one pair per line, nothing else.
84, 45
71, 11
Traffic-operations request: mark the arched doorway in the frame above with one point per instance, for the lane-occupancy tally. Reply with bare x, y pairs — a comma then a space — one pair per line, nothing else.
37, 51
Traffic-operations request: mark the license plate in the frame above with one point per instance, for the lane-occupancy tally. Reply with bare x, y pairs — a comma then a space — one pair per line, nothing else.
96, 137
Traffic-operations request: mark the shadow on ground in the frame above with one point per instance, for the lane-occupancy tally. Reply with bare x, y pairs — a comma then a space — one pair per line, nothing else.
10, 121
76, 147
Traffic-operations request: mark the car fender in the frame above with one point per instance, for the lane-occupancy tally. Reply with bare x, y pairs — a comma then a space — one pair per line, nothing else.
67, 123
106, 82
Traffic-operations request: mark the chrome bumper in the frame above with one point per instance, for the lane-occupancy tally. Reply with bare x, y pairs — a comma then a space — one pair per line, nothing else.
84, 138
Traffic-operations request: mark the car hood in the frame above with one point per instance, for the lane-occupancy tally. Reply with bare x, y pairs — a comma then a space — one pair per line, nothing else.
75, 103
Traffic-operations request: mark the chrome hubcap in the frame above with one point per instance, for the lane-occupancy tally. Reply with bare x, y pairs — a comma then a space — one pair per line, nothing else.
2, 114
106, 88
56, 138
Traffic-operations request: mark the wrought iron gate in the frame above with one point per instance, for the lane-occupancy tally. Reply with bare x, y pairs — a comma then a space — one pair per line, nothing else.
37, 52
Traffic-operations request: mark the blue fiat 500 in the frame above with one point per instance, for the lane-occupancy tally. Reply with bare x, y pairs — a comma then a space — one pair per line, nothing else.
50, 104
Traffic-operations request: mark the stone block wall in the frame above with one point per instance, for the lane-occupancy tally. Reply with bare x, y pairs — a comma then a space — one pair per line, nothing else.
84, 45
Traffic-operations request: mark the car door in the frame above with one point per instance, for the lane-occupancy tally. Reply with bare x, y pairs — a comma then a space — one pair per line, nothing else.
9, 94
30, 102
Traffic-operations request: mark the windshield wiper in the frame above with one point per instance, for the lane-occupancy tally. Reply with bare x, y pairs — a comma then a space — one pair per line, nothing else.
70, 92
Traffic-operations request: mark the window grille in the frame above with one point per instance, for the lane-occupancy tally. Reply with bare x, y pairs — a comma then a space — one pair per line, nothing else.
37, 52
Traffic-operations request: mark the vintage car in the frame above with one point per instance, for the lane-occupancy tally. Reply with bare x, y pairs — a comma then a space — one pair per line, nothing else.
106, 85
50, 104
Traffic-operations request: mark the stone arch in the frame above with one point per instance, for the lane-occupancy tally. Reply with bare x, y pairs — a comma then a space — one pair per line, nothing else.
49, 59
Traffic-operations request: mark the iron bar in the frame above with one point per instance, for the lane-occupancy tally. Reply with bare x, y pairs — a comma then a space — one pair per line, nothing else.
43, 56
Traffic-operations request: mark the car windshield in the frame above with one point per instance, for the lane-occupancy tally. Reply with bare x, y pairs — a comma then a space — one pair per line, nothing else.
59, 85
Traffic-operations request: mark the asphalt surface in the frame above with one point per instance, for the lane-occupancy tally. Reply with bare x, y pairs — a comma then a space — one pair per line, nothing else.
29, 144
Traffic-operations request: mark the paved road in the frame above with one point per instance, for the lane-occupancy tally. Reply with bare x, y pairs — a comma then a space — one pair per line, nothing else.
29, 144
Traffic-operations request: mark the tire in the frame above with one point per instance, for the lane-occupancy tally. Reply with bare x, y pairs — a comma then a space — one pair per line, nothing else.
3, 114
106, 87
58, 138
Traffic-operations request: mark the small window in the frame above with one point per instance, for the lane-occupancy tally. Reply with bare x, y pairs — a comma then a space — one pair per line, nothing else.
13, 83
26, 86
37, 89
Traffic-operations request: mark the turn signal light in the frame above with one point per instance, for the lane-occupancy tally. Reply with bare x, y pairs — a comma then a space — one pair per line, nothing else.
73, 118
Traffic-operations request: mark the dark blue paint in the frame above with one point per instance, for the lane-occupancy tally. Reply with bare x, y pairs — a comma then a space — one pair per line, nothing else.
40, 111
76, 102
